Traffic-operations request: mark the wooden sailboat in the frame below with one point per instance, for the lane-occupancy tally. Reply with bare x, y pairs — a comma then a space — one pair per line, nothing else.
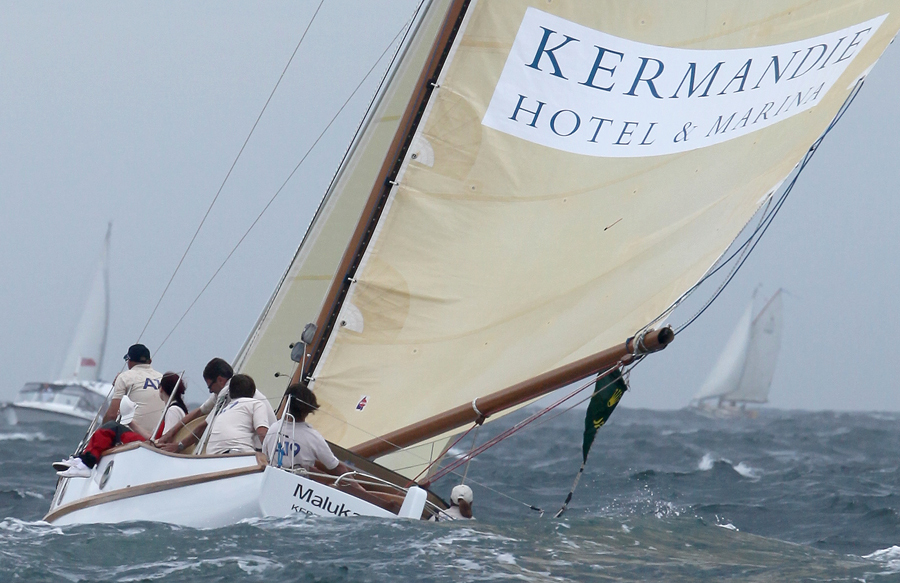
535, 186
743, 373
77, 394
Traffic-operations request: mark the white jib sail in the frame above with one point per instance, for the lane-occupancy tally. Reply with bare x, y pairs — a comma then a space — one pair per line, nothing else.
85, 355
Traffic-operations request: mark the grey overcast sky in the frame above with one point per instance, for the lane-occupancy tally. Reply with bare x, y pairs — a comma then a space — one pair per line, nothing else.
132, 112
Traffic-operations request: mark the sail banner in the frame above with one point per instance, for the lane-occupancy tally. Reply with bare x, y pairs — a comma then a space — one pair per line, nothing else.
608, 391
501, 255
577, 89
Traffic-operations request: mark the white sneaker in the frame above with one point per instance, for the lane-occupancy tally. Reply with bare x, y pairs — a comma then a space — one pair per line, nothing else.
76, 470
64, 464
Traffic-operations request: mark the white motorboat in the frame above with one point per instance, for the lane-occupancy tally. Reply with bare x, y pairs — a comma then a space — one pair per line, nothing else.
70, 402
79, 394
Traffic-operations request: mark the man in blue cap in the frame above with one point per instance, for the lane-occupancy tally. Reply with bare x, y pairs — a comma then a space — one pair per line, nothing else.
141, 383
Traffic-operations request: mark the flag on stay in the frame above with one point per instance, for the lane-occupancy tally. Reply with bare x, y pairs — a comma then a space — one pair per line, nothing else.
87, 361
608, 390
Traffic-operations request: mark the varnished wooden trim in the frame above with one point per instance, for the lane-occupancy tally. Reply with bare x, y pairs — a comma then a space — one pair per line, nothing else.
144, 444
153, 487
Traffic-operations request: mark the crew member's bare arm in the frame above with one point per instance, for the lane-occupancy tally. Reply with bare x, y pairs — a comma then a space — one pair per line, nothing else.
168, 436
113, 412
188, 441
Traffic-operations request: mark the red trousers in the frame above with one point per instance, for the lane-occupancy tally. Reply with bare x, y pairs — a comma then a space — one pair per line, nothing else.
109, 435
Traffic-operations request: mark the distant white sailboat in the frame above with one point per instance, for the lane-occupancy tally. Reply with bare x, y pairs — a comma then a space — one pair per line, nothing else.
744, 371
79, 393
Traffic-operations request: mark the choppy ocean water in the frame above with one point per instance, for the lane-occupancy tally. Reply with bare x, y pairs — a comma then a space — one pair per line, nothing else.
667, 496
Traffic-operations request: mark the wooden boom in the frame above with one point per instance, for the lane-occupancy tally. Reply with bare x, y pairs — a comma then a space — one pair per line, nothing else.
511, 396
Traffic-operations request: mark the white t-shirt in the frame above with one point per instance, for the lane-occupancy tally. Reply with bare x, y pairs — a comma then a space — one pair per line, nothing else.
141, 384
453, 513
235, 426
174, 414
305, 443
208, 405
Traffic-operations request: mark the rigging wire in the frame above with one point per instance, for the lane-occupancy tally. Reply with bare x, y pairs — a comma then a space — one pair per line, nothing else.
407, 27
742, 253
228, 174
514, 429
474, 440
280, 189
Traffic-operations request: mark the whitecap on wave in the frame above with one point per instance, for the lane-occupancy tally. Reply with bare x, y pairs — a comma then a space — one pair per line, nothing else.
38, 528
890, 557
707, 462
36, 436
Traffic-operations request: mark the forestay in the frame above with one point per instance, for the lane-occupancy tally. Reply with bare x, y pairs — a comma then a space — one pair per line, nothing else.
579, 167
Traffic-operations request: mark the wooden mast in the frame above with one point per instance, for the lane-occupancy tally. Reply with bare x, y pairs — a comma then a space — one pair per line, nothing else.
511, 396
340, 285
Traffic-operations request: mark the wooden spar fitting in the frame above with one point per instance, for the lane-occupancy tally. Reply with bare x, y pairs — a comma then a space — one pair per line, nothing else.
382, 188
517, 394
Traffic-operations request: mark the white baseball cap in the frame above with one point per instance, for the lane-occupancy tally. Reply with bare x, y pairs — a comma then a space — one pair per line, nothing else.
461, 491
126, 410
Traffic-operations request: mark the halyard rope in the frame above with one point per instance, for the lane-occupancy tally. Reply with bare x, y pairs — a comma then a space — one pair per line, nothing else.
228, 174
280, 189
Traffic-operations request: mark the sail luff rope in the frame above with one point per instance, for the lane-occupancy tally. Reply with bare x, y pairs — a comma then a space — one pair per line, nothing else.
742, 253
763, 225
280, 189
230, 170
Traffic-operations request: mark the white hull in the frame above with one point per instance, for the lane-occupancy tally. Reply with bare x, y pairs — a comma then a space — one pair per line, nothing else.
140, 483
66, 401
46, 413
725, 411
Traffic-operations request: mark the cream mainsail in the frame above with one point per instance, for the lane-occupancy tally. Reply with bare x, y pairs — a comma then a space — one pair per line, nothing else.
578, 167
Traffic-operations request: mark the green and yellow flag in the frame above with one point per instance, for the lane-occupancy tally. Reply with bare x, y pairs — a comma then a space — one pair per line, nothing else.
607, 393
